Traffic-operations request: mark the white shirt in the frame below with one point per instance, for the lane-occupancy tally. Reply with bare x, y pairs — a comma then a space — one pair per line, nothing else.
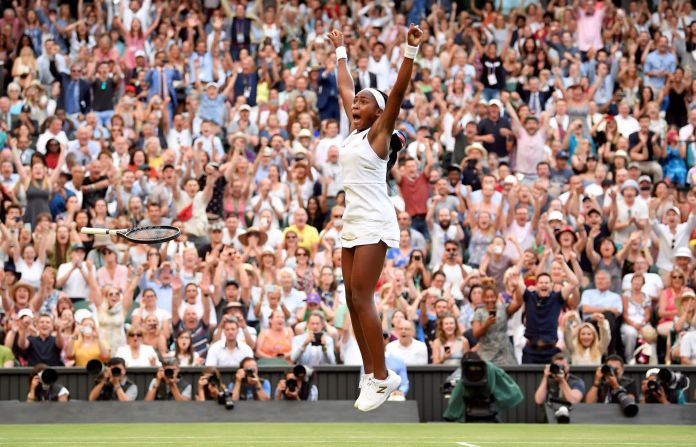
414, 354
146, 353
219, 355
176, 139
626, 126
639, 210
688, 346
44, 137
76, 285
652, 287
322, 149
669, 242
312, 355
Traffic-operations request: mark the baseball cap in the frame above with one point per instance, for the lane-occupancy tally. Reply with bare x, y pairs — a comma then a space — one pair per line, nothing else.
25, 313
305, 133
633, 165
495, 102
562, 155
675, 209
510, 179
74, 247
139, 53
212, 84
245, 107
644, 178
81, 314
555, 215
313, 298
267, 152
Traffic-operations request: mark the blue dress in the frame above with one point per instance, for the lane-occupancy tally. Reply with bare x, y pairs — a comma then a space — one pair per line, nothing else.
674, 166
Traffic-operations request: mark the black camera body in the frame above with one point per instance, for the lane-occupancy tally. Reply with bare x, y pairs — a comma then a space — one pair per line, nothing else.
48, 377
291, 385
116, 371
249, 372
317, 339
555, 369
653, 386
169, 373
608, 370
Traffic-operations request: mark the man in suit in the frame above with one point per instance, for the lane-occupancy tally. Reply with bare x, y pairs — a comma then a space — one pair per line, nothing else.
75, 92
533, 96
160, 80
324, 80
240, 32
363, 77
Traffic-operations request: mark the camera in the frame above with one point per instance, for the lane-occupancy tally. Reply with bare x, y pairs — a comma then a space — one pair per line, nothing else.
626, 402
169, 373
317, 339
249, 372
417, 258
213, 380
653, 386
608, 370
291, 385
225, 398
562, 415
116, 371
302, 372
555, 369
491, 313
48, 377
95, 367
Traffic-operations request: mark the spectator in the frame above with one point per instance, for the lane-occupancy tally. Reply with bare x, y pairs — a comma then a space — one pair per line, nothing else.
36, 343
228, 351
135, 353
413, 352
450, 346
113, 383
296, 387
654, 391
275, 341
314, 347
601, 300
637, 313
209, 385
247, 384
583, 342
543, 306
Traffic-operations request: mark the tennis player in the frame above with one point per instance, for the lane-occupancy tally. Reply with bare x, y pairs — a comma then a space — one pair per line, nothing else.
369, 220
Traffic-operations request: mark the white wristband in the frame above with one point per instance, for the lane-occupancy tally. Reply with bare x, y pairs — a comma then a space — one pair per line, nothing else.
410, 52
341, 53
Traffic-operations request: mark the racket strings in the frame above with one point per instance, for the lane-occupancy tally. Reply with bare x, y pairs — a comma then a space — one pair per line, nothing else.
147, 234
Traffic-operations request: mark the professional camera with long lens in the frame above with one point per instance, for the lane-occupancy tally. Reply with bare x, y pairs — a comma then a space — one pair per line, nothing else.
95, 367
249, 373
626, 401
555, 369
169, 373
225, 398
291, 385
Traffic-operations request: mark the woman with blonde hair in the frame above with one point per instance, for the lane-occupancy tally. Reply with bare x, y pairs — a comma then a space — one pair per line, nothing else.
85, 344
389, 303
153, 150
584, 345
449, 345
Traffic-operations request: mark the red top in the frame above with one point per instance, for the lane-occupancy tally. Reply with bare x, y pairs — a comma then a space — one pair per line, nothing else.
415, 193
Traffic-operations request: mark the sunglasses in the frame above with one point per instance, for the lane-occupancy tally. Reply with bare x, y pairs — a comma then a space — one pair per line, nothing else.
154, 253
290, 237
135, 334
451, 250
301, 254
677, 277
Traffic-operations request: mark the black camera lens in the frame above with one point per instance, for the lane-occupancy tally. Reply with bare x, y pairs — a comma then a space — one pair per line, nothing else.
169, 373
653, 386
291, 384
555, 369
249, 372
116, 371
213, 380
299, 371
48, 376
95, 367
317, 339
607, 370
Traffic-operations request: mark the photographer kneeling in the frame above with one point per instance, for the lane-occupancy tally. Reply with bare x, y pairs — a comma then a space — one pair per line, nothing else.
296, 385
558, 388
609, 380
247, 385
168, 385
113, 384
662, 386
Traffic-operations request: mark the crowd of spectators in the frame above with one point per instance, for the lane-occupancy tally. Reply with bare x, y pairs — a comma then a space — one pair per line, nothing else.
545, 198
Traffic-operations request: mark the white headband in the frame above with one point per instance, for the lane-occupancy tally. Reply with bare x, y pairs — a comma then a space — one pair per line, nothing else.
375, 94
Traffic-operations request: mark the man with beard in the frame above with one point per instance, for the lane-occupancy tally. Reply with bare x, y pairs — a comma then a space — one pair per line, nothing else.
445, 229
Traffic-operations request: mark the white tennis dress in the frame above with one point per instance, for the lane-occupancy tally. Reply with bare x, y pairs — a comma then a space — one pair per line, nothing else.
369, 216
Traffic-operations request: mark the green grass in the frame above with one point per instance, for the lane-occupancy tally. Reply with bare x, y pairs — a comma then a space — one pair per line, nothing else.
334, 435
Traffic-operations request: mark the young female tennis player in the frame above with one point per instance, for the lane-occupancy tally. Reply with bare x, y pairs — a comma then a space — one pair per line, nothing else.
369, 220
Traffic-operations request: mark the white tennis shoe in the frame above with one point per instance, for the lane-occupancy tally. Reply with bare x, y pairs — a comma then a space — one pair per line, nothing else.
363, 378
375, 392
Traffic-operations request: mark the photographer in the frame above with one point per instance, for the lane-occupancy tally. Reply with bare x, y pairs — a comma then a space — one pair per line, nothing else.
608, 381
43, 385
662, 386
296, 386
113, 384
168, 385
558, 385
210, 385
314, 347
247, 385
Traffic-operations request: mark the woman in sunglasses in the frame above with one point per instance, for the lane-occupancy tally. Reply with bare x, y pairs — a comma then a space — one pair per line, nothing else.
135, 352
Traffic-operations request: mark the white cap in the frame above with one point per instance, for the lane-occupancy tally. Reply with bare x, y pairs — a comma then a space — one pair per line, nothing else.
683, 252
139, 53
511, 179
81, 314
675, 209
25, 313
211, 84
245, 107
555, 215
305, 133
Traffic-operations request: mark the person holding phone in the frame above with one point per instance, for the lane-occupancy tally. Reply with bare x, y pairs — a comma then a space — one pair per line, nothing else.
314, 347
489, 325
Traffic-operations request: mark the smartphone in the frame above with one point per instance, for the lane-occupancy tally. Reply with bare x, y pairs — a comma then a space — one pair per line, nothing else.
317, 339
491, 313
447, 349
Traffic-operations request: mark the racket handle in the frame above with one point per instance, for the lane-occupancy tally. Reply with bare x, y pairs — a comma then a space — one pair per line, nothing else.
104, 231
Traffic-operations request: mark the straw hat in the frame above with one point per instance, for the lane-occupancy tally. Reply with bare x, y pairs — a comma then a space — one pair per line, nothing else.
253, 231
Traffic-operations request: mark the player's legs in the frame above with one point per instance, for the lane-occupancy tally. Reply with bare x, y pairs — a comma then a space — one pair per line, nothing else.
347, 257
366, 265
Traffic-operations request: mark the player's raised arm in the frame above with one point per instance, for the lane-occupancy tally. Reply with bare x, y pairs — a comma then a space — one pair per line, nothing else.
346, 87
382, 130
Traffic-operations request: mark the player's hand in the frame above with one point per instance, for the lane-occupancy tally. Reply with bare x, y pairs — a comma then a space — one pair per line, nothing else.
414, 36
336, 38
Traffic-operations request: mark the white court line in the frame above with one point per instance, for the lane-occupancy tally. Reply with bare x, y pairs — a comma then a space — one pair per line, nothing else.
466, 444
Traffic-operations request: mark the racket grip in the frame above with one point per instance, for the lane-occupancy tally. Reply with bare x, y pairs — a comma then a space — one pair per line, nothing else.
86, 230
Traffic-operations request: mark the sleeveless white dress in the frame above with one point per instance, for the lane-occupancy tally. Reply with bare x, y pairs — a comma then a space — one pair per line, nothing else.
369, 216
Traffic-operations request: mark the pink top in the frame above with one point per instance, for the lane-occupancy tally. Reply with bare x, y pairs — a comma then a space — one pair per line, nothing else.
133, 45
120, 278
590, 28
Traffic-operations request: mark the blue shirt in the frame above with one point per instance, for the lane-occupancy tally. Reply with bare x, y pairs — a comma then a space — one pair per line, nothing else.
205, 70
542, 316
659, 62
596, 298
247, 391
398, 366
72, 97
163, 292
212, 109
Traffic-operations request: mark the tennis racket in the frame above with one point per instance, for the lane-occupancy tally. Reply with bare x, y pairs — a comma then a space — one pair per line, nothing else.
139, 235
